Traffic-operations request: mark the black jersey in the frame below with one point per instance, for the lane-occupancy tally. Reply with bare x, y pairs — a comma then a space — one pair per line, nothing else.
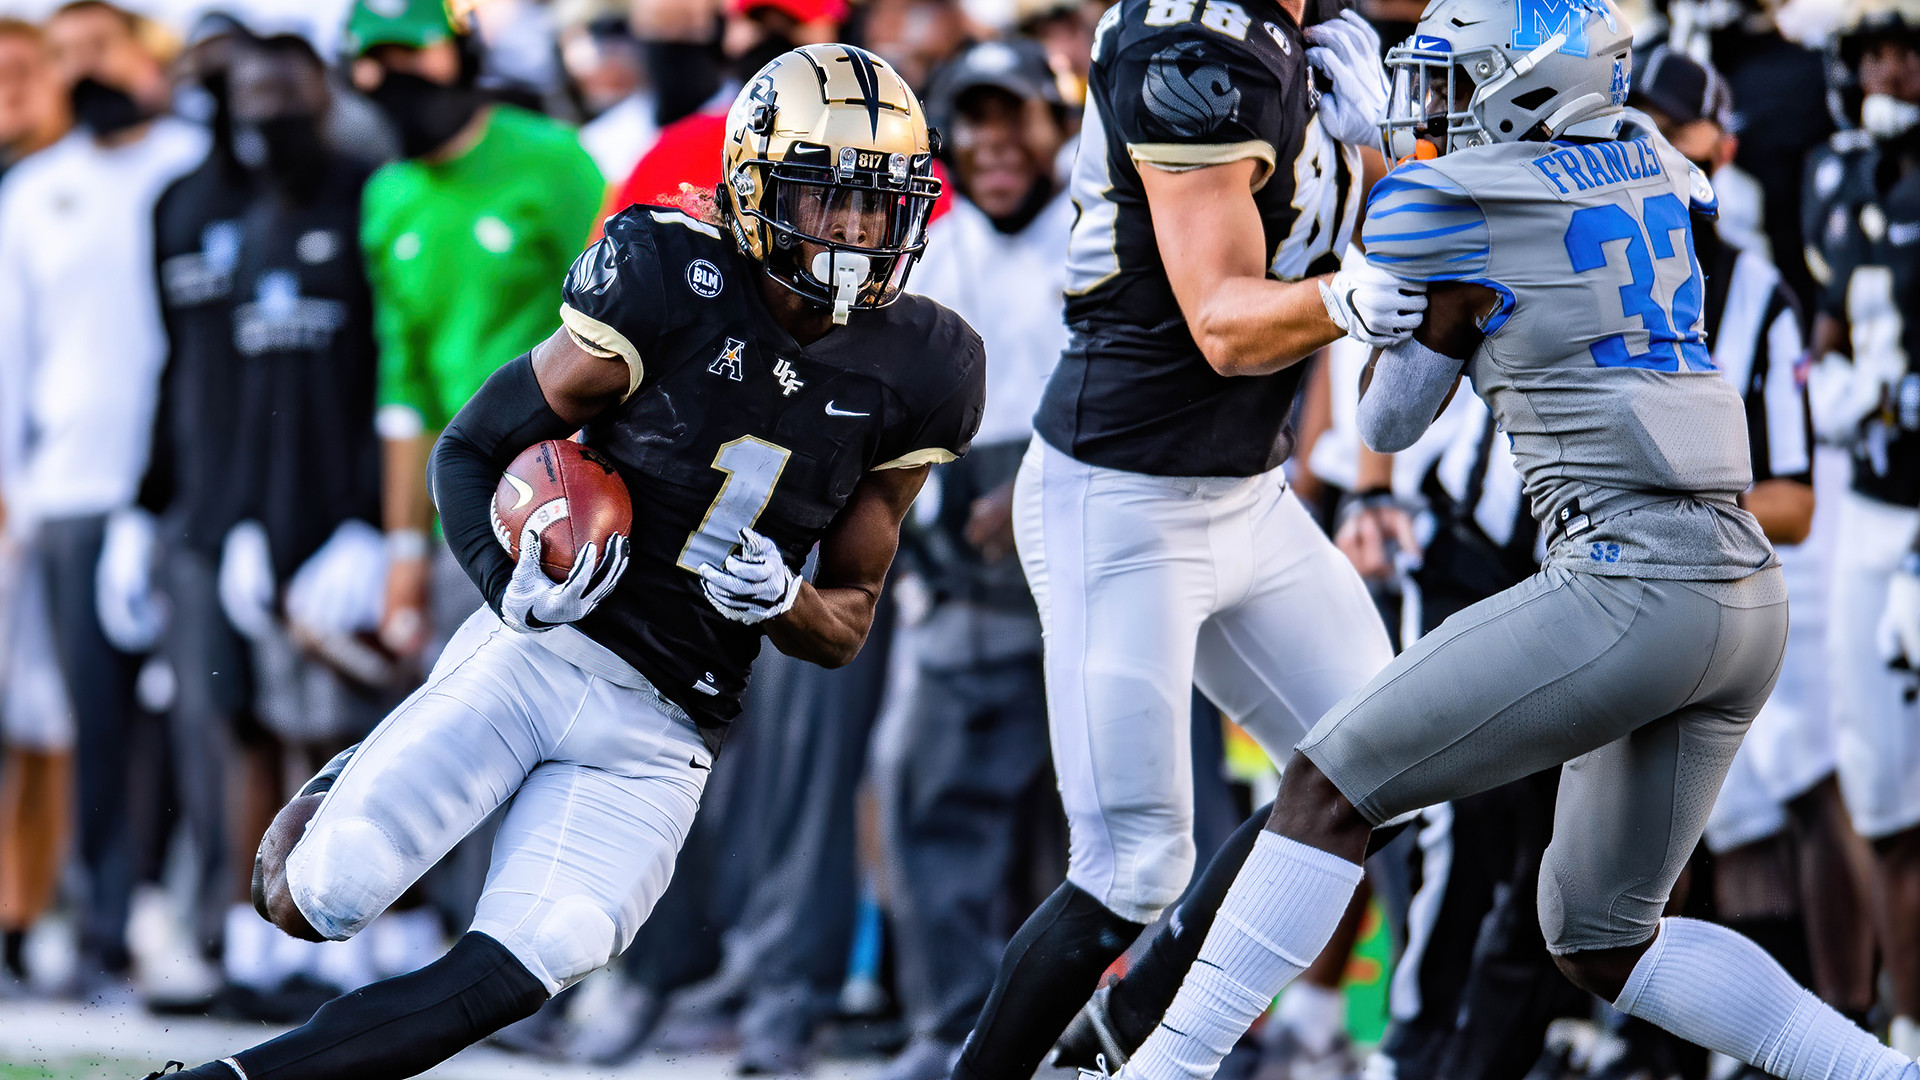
1862, 222
1181, 84
307, 457
732, 424
197, 238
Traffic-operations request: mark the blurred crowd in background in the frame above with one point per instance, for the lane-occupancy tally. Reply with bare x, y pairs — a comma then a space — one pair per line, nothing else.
253, 257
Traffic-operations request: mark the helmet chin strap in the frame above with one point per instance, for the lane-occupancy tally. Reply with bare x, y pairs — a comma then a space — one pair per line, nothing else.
844, 272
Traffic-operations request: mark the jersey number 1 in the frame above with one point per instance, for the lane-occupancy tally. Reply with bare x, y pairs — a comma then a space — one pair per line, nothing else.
752, 467
1671, 333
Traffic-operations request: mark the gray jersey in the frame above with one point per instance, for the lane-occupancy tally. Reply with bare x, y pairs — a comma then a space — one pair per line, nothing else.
1632, 446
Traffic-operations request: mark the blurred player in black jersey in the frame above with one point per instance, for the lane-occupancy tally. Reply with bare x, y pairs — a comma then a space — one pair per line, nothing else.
762, 386
1217, 185
1862, 223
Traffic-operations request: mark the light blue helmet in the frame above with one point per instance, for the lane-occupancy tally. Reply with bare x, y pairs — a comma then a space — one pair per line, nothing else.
1488, 71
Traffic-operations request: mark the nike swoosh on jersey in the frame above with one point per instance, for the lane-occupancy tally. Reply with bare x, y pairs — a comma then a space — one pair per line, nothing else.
520, 488
831, 411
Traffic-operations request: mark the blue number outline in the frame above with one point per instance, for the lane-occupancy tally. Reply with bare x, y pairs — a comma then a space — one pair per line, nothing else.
1588, 233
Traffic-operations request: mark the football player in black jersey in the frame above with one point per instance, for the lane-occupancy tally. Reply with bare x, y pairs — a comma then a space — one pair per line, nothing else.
1863, 231
1218, 187
762, 386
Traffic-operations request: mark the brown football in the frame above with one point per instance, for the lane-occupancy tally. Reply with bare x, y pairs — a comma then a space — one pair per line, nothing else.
571, 495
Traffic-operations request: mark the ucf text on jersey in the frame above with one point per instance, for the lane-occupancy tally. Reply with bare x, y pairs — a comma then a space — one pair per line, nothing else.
732, 424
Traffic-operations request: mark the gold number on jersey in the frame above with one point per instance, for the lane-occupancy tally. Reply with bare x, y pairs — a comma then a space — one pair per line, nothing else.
752, 467
1226, 17
1220, 16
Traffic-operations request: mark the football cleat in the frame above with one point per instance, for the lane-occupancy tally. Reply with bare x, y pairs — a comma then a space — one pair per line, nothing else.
1090, 1038
166, 1070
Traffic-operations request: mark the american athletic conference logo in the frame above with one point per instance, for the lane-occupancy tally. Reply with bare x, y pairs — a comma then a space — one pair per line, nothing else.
704, 279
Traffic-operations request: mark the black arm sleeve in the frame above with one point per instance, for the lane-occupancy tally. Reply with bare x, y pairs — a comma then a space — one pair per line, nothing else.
505, 416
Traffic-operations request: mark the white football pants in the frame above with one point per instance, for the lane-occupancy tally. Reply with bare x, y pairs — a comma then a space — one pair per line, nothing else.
1151, 585
603, 773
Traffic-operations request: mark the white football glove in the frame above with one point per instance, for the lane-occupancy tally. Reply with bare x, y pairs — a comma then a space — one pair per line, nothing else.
755, 584
248, 590
1347, 52
341, 589
535, 602
1900, 621
130, 613
1373, 306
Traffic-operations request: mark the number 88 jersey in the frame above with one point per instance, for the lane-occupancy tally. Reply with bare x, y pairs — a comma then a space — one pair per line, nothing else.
1632, 446
732, 424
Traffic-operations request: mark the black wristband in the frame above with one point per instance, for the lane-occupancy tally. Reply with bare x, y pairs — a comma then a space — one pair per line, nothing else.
505, 416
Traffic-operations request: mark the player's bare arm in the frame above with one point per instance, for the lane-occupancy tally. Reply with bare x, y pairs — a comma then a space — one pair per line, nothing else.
1209, 234
831, 617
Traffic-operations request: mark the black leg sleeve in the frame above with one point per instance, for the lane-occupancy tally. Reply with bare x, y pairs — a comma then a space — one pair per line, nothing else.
1049, 970
402, 1026
505, 416
1142, 997
1138, 1001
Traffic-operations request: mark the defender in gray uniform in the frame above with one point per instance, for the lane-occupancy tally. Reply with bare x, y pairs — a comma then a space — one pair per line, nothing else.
1558, 260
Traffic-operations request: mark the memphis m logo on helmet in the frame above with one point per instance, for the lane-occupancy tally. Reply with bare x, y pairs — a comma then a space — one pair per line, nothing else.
827, 176
1478, 72
1538, 20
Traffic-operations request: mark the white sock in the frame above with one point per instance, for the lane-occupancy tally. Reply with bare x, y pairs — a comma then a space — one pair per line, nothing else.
1315, 1015
1905, 1036
1281, 911
1713, 987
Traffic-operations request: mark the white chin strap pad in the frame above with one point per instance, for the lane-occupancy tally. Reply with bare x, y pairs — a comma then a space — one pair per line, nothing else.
843, 272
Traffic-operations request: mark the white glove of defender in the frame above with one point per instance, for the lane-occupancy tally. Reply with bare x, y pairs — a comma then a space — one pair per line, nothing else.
247, 586
341, 589
535, 602
123, 597
1372, 305
1900, 621
755, 585
1347, 52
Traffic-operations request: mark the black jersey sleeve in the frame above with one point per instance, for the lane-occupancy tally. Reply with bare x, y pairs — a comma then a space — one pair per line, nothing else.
940, 417
1191, 95
613, 301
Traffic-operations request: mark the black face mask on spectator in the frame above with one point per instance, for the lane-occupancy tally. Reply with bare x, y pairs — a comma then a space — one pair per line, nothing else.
283, 147
102, 109
771, 47
426, 114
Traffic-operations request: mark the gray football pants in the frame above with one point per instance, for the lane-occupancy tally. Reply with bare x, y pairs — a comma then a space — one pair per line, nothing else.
1643, 689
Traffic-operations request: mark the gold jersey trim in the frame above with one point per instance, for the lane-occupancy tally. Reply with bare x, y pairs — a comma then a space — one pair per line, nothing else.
602, 340
1182, 157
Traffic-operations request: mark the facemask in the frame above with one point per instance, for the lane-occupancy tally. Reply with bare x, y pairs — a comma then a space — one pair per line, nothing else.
285, 147
426, 114
1887, 117
104, 110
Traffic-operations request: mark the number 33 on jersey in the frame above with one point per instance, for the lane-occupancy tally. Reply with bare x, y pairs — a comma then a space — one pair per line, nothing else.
731, 424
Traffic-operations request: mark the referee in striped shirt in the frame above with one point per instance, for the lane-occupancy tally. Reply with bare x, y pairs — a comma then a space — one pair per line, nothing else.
1476, 988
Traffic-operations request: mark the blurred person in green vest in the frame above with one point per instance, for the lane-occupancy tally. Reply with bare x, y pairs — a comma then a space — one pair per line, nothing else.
464, 239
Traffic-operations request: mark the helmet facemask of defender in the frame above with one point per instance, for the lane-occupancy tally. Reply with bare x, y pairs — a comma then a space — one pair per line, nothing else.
1478, 72
829, 177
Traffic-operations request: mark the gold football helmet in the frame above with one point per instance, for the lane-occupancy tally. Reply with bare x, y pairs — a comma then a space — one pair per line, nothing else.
827, 176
